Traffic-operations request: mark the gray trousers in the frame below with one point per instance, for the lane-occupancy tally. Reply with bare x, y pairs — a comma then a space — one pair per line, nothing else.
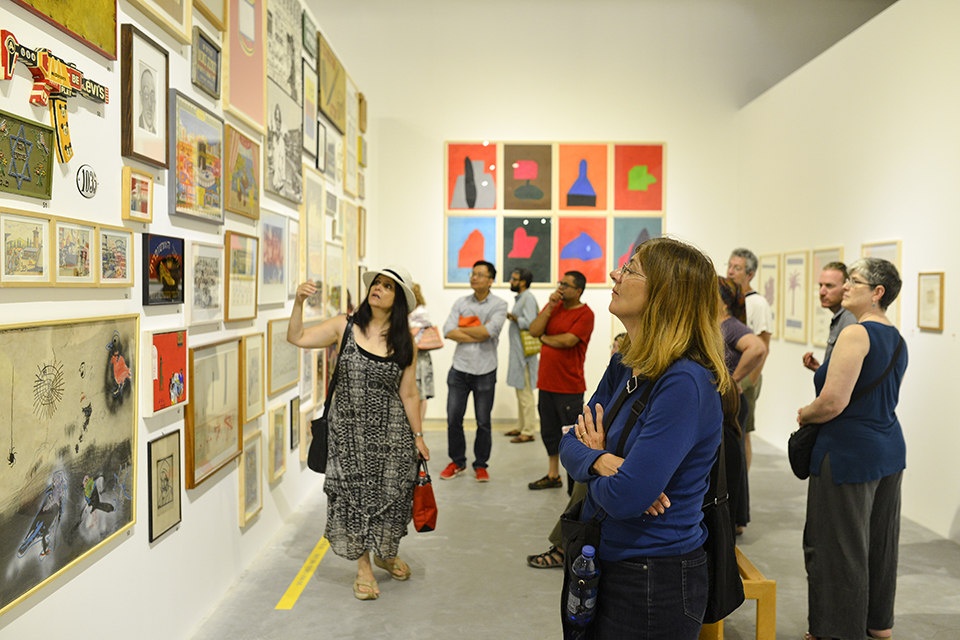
850, 546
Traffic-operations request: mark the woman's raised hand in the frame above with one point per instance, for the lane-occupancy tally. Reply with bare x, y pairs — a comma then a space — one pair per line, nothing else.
305, 290
588, 432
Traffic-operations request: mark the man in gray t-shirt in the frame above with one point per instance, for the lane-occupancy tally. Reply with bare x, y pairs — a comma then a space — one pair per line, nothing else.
832, 278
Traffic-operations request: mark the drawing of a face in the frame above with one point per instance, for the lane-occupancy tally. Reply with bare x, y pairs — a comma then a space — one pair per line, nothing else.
148, 101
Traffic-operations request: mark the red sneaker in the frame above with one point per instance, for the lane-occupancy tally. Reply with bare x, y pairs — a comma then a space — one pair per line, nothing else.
482, 475
452, 471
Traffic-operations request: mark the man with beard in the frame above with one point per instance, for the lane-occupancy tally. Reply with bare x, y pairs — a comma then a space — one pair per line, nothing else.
522, 369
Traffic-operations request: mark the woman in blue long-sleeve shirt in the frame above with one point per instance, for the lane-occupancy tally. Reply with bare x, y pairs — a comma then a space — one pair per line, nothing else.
653, 580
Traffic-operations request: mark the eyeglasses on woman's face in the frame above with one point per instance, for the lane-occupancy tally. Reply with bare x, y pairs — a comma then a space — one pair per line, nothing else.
852, 282
624, 270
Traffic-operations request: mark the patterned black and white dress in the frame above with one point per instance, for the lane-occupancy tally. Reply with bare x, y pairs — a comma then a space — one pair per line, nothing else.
371, 461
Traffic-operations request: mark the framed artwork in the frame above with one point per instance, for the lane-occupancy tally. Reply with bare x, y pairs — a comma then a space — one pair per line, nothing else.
284, 176
338, 222
245, 62
284, 33
273, 258
362, 223
214, 431
363, 113
582, 176
76, 244
196, 143
283, 369
137, 194
294, 423
312, 227
795, 296
629, 232
204, 283
213, 10
471, 181
162, 269
321, 146
318, 371
243, 174
251, 377
820, 318
331, 355
69, 484
362, 153
163, 479
930, 301
29, 168
205, 64
638, 177
308, 376
293, 257
527, 243
332, 203
330, 165
768, 285
306, 434
26, 249
468, 239
333, 85
163, 374
115, 256
528, 176
144, 87
251, 478
582, 246
351, 241
241, 268
889, 251
361, 186
309, 37
93, 23
277, 441
310, 137
173, 16
351, 138
333, 295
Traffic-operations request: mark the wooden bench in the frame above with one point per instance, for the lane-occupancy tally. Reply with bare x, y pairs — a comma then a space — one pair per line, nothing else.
755, 587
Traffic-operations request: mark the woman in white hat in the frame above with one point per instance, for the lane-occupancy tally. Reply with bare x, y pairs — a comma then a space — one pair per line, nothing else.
375, 433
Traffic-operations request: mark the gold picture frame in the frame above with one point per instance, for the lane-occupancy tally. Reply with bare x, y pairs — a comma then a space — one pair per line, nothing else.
137, 192
930, 300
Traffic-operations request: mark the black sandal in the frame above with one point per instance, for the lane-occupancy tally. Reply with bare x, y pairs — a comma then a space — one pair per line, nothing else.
547, 560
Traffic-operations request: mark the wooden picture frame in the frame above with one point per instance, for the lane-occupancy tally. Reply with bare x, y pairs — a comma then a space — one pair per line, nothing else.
251, 478
252, 400
796, 278
60, 461
205, 64
891, 250
768, 286
930, 300
136, 188
362, 123
245, 62
333, 85
196, 147
283, 363
205, 276
309, 37
294, 423
277, 441
242, 184
273, 258
144, 64
213, 10
163, 482
163, 371
242, 257
28, 249
313, 229
173, 16
820, 318
32, 145
306, 434
162, 269
92, 23
75, 242
214, 431
310, 89
115, 256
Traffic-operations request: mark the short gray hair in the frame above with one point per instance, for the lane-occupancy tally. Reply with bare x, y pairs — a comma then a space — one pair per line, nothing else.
749, 256
879, 272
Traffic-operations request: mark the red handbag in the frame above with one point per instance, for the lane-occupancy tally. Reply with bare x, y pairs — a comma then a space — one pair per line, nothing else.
424, 504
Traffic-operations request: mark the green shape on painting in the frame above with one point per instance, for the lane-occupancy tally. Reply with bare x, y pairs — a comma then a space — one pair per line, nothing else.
639, 178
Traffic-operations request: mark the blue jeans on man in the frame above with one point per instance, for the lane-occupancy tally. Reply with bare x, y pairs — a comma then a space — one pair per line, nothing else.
459, 386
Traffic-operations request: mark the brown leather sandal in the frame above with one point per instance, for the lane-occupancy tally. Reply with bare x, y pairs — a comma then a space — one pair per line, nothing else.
552, 558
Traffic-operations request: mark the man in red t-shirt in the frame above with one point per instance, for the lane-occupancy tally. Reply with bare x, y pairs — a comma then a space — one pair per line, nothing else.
564, 327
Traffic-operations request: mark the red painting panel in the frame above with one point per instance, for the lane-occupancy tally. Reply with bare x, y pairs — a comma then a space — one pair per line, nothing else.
472, 176
583, 177
169, 369
582, 246
638, 177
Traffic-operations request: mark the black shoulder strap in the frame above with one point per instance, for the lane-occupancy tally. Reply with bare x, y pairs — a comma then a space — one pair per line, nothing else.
635, 412
717, 490
893, 361
333, 378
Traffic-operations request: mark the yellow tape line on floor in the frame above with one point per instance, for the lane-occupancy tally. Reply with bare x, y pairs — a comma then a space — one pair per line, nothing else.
303, 577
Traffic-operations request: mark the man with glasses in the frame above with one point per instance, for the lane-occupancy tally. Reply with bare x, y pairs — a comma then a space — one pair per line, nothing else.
522, 370
564, 327
832, 279
474, 324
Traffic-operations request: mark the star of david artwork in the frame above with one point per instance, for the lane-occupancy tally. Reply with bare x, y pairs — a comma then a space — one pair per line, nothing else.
15, 143
26, 158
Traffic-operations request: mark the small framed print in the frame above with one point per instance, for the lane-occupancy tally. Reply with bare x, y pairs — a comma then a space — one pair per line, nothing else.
204, 283
294, 423
196, 146
205, 64
309, 36
277, 441
214, 431
75, 243
251, 377
137, 195
321, 146
273, 260
890, 251
242, 175
306, 435
163, 371
362, 123
162, 270
163, 476
241, 283
251, 484
361, 186
309, 110
28, 170
26, 249
795, 295
283, 365
213, 10
145, 81
115, 256
930, 301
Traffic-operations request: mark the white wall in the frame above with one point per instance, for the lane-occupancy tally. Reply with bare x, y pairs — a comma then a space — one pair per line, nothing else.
861, 145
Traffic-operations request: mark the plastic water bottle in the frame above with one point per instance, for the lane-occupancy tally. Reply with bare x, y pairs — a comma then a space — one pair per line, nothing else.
581, 608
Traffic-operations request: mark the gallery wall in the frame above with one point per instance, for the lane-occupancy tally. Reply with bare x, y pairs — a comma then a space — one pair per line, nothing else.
860, 146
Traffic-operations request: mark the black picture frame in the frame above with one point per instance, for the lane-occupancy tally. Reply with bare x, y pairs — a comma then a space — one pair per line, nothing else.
164, 467
162, 270
206, 64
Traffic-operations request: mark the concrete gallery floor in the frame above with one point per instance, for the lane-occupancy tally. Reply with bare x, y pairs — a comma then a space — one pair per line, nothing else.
470, 575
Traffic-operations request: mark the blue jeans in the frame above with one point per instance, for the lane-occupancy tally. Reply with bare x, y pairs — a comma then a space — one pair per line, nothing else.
652, 598
459, 386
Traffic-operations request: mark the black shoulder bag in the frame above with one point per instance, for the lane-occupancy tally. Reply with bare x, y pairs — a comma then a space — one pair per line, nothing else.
801, 442
317, 455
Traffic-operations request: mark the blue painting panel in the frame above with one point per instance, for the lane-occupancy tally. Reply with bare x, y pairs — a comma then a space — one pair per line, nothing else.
469, 238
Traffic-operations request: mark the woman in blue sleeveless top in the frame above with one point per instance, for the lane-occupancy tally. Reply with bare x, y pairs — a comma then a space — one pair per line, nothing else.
852, 530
